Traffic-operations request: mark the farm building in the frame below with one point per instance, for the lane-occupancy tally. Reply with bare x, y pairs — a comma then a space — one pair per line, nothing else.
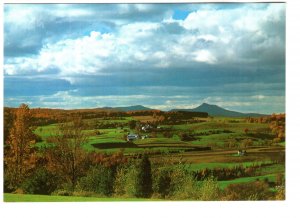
132, 137
241, 152
146, 128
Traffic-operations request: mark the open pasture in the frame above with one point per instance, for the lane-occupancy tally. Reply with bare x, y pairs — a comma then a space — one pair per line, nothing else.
213, 143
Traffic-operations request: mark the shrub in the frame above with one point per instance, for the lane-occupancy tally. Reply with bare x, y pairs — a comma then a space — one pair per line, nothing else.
62, 192
162, 182
167, 134
280, 193
6, 183
132, 124
277, 140
210, 190
99, 179
120, 181
131, 181
183, 185
279, 179
41, 182
232, 143
246, 143
186, 137
257, 190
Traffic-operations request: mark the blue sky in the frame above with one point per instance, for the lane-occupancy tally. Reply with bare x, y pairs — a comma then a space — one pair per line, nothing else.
162, 56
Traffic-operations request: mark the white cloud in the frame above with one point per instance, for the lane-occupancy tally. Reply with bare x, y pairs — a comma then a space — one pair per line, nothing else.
69, 99
239, 34
241, 38
211, 36
205, 56
138, 30
259, 97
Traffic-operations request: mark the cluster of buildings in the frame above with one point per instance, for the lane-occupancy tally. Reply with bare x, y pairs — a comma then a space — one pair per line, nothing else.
145, 128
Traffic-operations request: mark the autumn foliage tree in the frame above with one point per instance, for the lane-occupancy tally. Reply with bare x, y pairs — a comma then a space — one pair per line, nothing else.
277, 127
19, 156
67, 158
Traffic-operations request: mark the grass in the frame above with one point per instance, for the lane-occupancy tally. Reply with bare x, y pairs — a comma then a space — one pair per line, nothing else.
200, 166
218, 139
116, 135
51, 198
224, 184
276, 168
159, 140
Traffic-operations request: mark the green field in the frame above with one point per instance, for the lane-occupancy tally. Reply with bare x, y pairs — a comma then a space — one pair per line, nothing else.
202, 132
223, 184
201, 166
49, 198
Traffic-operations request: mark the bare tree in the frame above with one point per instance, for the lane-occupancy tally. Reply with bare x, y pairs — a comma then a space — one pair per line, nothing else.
67, 158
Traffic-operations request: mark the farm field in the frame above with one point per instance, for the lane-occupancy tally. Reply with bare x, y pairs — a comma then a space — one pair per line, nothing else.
228, 151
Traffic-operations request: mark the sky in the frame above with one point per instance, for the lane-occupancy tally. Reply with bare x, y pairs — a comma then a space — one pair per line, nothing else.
162, 56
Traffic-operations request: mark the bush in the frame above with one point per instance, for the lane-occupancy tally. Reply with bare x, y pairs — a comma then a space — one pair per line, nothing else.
99, 179
135, 180
246, 143
41, 182
186, 137
131, 181
6, 183
120, 181
210, 190
167, 134
62, 192
280, 193
232, 143
183, 185
132, 124
162, 182
280, 179
257, 190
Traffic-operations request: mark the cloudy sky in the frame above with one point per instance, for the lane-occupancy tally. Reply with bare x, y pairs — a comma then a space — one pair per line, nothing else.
158, 55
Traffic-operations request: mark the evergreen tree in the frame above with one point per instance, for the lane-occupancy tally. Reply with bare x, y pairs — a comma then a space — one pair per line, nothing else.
144, 178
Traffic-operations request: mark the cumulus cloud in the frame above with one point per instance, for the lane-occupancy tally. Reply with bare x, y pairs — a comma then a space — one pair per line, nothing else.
211, 36
214, 49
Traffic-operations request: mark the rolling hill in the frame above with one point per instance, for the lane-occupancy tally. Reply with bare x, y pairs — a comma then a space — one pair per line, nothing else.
214, 110
129, 108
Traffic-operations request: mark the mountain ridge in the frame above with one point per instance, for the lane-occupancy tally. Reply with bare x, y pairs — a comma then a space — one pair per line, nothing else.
128, 108
211, 109
215, 110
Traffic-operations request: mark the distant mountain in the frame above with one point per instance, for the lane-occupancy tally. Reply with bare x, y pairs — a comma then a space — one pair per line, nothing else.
214, 110
129, 108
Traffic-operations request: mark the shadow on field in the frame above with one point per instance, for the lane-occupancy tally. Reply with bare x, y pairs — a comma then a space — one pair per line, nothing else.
261, 135
115, 145
132, 145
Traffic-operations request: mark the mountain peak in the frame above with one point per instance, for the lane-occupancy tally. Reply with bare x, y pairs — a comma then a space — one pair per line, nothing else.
206, 105
215, 110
